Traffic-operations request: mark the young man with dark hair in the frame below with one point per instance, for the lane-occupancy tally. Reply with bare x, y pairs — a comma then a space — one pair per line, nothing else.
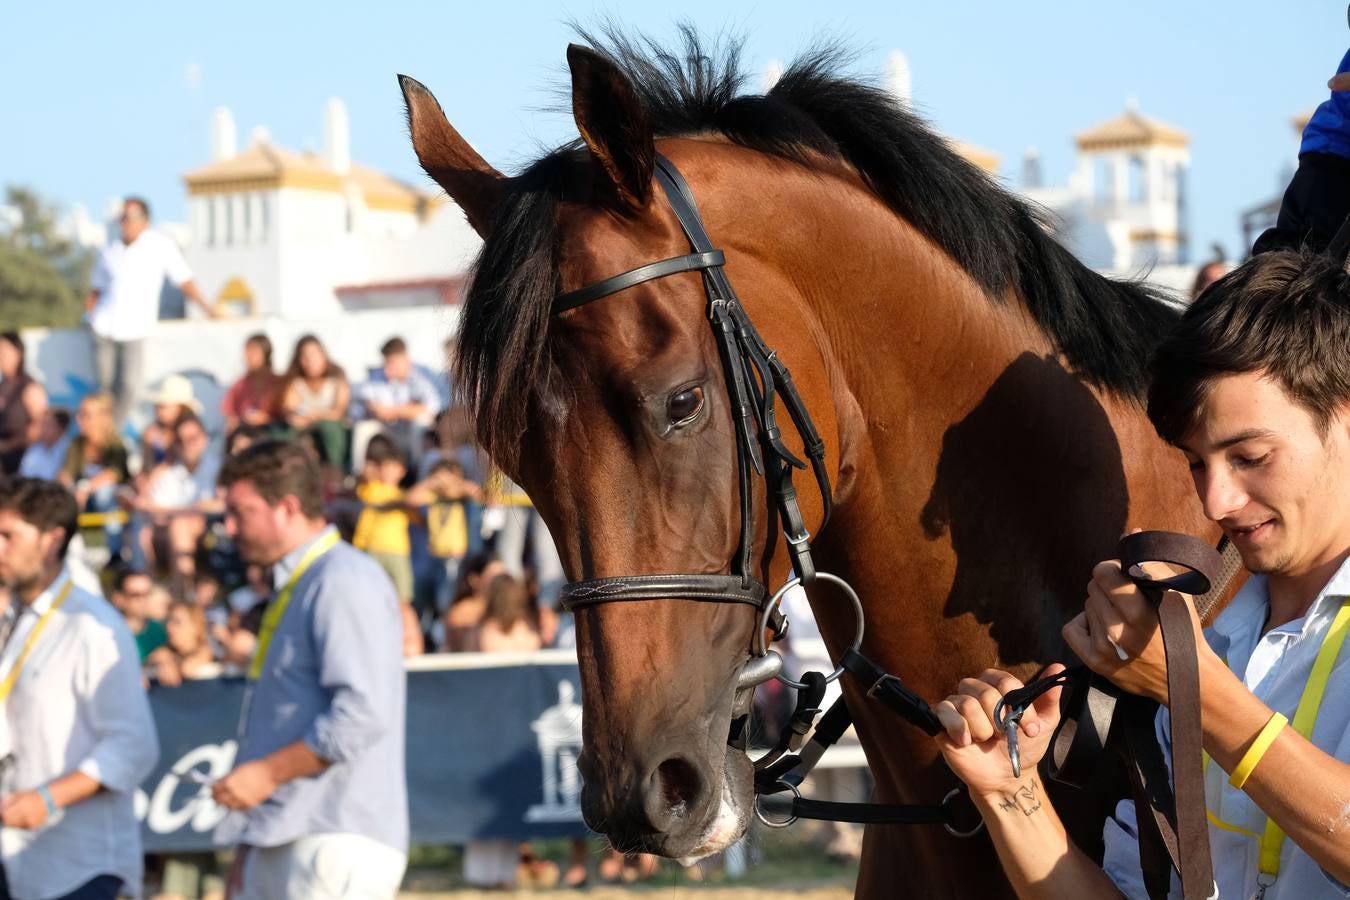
45, 458
76, 735
1254, 388
320, 771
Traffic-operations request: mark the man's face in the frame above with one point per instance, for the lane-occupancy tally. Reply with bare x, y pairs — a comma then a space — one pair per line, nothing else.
192, 442
1276, 486
397, 366
131, 600
257, 527
24, 550
132, 222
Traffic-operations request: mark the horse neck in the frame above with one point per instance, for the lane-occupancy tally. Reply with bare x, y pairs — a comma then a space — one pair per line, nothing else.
965, 453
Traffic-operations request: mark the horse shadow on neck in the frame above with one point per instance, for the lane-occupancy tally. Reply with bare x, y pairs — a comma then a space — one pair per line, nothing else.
1031, 491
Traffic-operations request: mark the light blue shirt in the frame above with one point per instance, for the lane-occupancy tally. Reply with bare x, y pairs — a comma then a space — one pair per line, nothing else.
1275, 667
333, 678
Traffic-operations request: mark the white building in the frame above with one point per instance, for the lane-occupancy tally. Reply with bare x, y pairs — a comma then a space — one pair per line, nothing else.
278, 233
1124, 208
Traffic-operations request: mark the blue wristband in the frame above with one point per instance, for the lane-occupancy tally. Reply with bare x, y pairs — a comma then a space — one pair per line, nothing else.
46, 795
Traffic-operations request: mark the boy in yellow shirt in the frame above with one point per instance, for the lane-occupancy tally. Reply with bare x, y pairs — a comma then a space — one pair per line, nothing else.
382, 529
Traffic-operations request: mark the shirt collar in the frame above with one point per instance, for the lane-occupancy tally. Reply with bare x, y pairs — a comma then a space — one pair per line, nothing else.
45, 599
1247, 611
281, 572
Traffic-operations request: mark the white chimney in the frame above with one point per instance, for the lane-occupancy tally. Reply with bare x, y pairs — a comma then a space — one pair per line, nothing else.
222, 135
336, 137
898, 80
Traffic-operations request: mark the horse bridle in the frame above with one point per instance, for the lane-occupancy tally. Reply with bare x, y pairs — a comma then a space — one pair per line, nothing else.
755, 378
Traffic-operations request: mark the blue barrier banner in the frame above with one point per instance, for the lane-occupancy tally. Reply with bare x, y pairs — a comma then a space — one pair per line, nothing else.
491, 752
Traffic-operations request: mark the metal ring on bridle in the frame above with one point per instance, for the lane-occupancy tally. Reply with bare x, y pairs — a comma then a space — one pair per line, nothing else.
979, 826
761, 648
759, 814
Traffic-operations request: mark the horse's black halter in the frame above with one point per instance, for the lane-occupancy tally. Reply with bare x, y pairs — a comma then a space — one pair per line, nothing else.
755, 376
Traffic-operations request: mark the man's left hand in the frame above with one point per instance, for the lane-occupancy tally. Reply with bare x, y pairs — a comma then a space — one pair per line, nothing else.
1118, 615
245, 787
24, 809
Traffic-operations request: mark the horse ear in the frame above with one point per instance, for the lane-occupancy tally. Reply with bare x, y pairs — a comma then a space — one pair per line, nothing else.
613, 124
473, 184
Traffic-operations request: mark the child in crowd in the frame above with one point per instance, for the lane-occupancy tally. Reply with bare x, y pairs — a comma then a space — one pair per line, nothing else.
382, 529
508, 624
45, 458
447, 525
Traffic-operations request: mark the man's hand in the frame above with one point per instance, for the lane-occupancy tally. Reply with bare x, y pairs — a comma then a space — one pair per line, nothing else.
976, 750
24, 809
1117, 634
245, 787
1340, 82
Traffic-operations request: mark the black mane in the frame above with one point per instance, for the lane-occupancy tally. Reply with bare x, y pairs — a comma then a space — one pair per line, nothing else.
1105, 329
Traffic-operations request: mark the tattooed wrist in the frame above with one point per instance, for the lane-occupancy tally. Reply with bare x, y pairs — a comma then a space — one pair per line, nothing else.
1024, 799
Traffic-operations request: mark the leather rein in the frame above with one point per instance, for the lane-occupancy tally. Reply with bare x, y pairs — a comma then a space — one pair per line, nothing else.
1173, 837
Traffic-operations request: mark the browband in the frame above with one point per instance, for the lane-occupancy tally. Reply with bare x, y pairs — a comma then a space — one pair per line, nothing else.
708, 588
633, 277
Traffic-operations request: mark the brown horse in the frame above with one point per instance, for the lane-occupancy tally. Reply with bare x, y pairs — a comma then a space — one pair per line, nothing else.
978, 391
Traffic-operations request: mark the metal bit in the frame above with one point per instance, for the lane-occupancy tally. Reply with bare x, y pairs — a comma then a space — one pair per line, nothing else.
1010, 730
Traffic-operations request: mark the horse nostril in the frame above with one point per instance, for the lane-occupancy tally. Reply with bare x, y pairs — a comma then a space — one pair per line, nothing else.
679, 783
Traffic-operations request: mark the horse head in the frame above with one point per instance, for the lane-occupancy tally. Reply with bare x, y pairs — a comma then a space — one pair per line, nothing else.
617, 419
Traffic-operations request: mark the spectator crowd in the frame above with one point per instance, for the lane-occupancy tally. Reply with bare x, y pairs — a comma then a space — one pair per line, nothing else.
472, 565
402, 479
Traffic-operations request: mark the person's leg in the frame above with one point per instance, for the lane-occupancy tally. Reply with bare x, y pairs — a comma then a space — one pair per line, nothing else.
104, 887
332, 440
105, 361
132, 371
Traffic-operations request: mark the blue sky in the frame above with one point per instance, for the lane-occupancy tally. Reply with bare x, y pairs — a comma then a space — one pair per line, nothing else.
97, 100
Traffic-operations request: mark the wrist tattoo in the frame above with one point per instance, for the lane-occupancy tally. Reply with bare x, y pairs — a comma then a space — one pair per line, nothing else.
1026, 799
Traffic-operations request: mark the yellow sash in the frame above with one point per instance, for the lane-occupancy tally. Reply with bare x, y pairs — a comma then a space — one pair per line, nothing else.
277, 608
7, 686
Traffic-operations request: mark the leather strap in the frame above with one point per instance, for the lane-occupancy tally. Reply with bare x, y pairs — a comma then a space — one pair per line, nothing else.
1189, 849
891, 692
708, 588
633, 277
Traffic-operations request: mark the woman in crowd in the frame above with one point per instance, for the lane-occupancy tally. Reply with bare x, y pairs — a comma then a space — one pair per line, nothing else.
187, 652
96, 465
172, 401
508, 624
23, 401
315, 394
466, 611
252, 400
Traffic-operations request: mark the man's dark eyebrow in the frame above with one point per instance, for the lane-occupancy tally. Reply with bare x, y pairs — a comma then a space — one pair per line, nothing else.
1247, 434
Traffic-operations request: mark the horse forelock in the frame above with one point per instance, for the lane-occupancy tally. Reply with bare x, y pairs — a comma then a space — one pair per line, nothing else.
1103, 328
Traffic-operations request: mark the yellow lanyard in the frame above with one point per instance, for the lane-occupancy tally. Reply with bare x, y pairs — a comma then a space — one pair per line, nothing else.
1305, 717
277, 608
7, 686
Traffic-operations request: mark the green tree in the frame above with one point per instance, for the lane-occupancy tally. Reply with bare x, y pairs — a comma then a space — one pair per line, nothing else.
43, 274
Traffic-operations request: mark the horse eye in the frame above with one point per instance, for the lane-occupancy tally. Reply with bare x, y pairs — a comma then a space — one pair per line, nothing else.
684, 405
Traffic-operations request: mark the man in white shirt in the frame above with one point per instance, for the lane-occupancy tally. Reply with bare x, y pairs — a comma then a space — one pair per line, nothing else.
76, 731
1253, 386
123, 301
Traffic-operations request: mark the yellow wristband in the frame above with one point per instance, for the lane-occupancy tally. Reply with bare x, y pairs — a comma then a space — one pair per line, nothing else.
1257, 750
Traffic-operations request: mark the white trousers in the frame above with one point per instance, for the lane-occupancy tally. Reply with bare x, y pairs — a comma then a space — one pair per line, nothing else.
324, 867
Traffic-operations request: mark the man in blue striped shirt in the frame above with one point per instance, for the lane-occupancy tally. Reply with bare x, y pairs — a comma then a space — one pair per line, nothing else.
320, 776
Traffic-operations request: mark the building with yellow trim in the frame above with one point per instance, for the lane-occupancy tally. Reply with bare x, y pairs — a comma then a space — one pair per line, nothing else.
1124, 207
278, 232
